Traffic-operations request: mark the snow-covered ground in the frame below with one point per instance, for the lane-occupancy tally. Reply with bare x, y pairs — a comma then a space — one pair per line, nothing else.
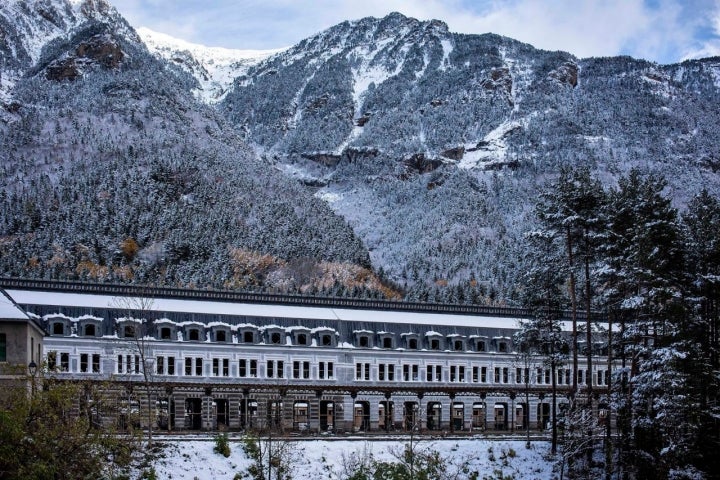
324, 459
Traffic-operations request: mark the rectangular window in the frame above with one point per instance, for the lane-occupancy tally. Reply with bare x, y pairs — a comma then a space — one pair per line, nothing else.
438, 373
475, 374
171, 366
253, 368
84, 362
226, 367
242, 371
296, 370
415, 373
483, 374
96, 363
367, 371
65, 362
429, 373
280, 369
406, 373
506, 375
453, 374
391, 372
539, 376
607, 377
3, 347
381, 372
119, 362
518, 375
461, 374
160, 365
579, 377
330, 370
216, 367
188, 366
137, 363
497, 374
199, 367
547, 377
270, 369
560, 376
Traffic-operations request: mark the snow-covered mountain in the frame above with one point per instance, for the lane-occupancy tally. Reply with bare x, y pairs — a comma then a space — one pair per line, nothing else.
113, 171
214, 68
433, 144
30, 27
429, 146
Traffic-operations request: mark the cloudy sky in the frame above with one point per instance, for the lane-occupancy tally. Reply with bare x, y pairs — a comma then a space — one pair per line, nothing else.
665, 31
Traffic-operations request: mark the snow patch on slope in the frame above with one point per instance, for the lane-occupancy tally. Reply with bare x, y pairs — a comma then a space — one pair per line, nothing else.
215, 68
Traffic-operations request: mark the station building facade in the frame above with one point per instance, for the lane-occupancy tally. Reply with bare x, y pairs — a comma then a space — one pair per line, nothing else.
229, 361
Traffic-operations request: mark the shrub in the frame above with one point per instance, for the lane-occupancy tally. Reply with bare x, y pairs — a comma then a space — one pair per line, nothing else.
222, 445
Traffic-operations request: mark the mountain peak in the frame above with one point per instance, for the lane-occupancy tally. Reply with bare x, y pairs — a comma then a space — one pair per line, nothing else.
214, 68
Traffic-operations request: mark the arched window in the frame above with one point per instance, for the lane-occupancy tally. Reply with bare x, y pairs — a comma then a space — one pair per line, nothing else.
326, 340
275, 338
220, 336
413, 344
302, 339
248, 337
90, 330
194, 335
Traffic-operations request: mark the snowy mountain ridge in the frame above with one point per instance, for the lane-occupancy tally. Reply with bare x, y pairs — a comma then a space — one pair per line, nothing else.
31, 25
215, 68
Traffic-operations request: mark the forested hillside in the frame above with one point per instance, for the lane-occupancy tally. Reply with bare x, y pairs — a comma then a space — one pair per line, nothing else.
113, 172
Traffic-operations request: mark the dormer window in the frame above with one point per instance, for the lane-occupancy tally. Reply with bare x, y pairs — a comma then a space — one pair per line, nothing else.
194, 335
248, 337
364, 341
412, 344
302, 339
458, 345
480, 346
58, 328
165, 333
275, 338
326, 340
90, 330
434, 344
129, 331
387, 342
221, 336
502, 347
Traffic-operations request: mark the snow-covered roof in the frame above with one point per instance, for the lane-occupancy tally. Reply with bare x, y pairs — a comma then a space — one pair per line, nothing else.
31, 297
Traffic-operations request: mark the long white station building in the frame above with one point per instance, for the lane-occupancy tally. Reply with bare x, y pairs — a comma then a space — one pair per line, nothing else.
222, 360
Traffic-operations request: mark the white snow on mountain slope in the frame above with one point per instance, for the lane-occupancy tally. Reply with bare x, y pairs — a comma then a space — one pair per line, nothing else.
32, 24
215, 68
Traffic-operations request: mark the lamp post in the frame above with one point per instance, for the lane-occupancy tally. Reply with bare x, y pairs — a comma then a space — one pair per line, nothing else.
32, 368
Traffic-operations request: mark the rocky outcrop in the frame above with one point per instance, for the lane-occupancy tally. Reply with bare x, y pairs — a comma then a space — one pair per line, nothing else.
100, 50
456, 153
323, 158
419, 163
499, 80
566, 74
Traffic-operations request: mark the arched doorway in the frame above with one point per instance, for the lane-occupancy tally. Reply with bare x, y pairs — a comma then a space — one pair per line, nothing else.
458, 416
361, 416
386, 413
478, 416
